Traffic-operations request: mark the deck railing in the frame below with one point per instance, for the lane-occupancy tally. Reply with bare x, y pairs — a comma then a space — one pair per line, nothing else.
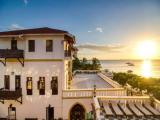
110, 81
88, 93
140, 99
157, 104
8, 53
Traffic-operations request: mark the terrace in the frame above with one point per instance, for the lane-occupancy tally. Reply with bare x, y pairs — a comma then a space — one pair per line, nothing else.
87, 81
110, 100
83, 86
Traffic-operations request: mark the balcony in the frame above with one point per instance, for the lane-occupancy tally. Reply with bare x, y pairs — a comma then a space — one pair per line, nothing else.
10, 95
9, 53
67, 53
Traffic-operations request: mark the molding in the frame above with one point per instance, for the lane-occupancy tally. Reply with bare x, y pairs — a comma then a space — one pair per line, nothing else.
22, 35
85, 97
106, 89
35, 60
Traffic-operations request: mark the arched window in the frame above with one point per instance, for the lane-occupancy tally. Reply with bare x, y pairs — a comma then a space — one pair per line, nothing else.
54, 85
41, 85
29, 86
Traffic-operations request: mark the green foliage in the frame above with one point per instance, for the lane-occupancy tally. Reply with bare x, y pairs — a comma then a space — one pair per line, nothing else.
152, 85
96, 64
84, 64
76, 64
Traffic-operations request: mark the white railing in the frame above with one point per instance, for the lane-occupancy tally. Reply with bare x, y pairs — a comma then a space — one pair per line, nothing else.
97, 108
110, 81
88, 93
140, 99
157, 104
86, 71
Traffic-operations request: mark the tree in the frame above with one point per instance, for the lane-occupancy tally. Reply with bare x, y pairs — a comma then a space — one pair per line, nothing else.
152, 85
85, 65
96, 64
76, 64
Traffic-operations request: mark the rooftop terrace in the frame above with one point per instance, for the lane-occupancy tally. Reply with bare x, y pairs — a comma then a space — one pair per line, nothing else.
87, 81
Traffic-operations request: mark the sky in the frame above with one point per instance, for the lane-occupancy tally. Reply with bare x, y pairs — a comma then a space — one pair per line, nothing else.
106, 29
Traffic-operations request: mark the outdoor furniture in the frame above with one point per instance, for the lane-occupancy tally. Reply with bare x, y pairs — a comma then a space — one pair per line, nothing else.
151, 109
107, 109
116, 109
125, 109
135, 110
142, 109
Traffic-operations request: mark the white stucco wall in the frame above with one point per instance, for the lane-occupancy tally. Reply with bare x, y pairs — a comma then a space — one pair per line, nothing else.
40, 64
69, 103
34, 105
40, 46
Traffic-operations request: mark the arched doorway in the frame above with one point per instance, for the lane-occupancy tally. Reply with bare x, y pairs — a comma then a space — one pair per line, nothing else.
77, 112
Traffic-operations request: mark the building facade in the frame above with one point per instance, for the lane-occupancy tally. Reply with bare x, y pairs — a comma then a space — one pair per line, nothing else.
37, 83
35, 67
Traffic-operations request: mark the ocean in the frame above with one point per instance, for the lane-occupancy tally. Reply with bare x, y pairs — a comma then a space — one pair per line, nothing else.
144, 68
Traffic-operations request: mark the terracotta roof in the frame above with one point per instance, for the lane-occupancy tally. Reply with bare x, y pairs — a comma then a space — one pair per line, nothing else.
43, 30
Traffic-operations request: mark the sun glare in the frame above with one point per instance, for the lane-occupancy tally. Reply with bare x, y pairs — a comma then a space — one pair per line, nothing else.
146, 49
146, 68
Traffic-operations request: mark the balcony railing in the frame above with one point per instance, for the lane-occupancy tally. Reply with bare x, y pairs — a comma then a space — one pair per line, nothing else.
8, 53
88, 93
67, 53
10, 95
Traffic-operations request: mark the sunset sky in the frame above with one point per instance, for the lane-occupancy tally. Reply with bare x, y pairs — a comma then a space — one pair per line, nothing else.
106, 29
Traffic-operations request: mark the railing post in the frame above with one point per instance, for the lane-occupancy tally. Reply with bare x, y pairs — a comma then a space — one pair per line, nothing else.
94, 92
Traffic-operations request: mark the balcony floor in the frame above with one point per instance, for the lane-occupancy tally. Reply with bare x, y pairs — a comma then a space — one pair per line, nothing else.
87, 81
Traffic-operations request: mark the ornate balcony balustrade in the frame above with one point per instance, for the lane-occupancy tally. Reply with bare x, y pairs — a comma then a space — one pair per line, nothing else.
88, 93
11, 95
9, 53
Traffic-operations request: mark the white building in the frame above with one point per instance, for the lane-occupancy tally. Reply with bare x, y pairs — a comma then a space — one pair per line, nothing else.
35, 67
36, 79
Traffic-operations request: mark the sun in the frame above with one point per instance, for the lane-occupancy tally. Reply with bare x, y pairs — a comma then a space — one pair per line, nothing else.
146, 49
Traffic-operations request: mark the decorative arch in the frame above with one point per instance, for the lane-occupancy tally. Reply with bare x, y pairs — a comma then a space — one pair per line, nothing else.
77, 112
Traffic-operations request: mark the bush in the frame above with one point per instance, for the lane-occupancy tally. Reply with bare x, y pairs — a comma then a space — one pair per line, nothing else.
152, 85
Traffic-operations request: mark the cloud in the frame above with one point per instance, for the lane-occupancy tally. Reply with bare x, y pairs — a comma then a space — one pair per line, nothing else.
102, 48
89, 31
25, 2
99, 29
15, 27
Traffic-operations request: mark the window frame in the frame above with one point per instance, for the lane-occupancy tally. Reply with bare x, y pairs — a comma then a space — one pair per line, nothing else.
7, 82
42, 90
14, 44
18, 83
29, 91
31, 48
49, 48
54, 88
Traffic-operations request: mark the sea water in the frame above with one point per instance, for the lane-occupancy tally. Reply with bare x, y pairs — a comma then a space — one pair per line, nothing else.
146, 68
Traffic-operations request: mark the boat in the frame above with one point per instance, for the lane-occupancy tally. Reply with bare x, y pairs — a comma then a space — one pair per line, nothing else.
130, 64
129, 71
